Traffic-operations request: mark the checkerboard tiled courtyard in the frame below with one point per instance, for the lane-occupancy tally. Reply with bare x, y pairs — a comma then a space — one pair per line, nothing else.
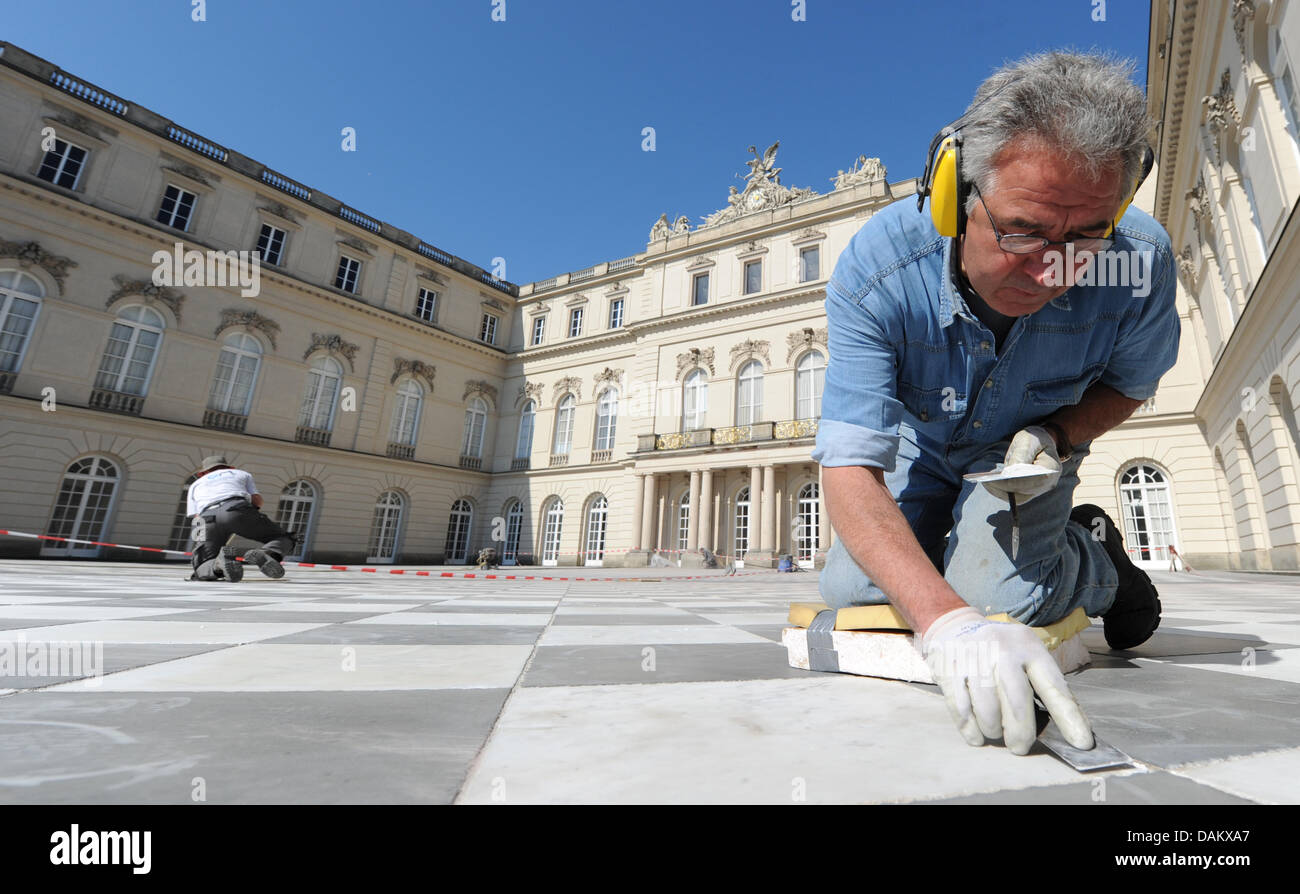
333, 687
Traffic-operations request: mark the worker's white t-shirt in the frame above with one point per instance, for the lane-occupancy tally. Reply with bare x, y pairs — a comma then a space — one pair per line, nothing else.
216, 486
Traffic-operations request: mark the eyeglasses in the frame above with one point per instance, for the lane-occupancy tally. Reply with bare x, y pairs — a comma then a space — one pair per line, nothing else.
1023, 244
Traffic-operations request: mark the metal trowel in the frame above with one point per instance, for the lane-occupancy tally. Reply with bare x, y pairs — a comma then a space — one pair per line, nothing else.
1100, 757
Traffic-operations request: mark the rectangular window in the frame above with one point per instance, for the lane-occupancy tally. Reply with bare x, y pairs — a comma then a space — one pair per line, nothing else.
348, 274
616, 313
270, 243
810, 264
487, 332
177, 207
62, 165
426, 305
539, 330
575, 322
753, 277
700, 289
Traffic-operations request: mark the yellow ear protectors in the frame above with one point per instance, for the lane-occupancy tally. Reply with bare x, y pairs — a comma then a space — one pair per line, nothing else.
1148, 162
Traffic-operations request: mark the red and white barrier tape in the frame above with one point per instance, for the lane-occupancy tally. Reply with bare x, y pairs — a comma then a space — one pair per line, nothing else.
407, 571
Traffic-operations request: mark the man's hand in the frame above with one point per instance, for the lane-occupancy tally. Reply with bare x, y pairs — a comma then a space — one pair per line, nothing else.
988, 672
1032, 446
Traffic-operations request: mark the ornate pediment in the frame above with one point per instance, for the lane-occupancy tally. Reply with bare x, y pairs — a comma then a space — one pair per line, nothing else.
81, 123
482, 389
568, 384
152, 294
748, 350
425, 273
248, 320
763, 190
280, 210
29, 253
417, 368
803, 339
607, 375
185, 169
530, 391
693, 358
334, 344
355, 243
864, 170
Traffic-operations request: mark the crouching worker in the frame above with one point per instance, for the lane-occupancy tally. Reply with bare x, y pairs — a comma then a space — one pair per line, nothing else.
224, 501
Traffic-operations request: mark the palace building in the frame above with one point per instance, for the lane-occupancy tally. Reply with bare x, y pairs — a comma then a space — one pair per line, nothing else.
398, 404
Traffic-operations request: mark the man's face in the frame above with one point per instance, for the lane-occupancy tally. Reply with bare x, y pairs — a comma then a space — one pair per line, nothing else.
1039, 193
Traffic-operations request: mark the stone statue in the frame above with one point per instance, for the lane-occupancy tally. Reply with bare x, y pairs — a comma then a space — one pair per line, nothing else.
660, 229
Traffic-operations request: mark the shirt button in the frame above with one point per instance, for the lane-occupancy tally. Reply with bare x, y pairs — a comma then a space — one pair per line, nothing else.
925, 417
988, 383
984, 345
977, 424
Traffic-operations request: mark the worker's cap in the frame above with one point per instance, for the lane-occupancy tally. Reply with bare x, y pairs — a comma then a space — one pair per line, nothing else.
211, 462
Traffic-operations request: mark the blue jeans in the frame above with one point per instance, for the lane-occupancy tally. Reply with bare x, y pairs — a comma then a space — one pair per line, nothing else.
1059, 565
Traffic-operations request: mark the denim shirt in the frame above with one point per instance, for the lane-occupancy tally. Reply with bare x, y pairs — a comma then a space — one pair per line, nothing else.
906, 352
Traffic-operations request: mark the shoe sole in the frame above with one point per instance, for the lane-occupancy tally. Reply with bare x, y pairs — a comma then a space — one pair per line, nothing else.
234, 572
266, 564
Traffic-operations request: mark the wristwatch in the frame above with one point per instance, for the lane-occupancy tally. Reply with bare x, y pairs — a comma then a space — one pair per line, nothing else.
1058, 434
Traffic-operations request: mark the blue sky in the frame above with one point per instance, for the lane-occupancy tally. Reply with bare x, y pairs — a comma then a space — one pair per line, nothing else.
523, 138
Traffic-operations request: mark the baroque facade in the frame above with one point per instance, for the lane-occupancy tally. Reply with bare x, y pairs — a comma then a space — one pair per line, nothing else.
396, 403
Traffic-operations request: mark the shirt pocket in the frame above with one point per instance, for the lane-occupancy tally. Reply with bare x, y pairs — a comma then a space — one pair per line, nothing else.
1049, 395
933, 406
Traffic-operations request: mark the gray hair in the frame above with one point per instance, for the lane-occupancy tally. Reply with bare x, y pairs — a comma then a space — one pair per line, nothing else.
1085, 106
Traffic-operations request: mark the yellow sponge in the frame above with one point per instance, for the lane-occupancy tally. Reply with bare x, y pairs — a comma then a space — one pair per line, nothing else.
886, 617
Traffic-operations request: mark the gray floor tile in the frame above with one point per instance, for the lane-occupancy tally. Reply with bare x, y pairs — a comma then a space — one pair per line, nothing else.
588, 665
416, 635
1140, 788
114, 656
567, 620
247, 747
236, 616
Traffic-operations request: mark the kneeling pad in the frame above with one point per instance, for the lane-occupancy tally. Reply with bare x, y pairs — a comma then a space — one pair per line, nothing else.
875, 641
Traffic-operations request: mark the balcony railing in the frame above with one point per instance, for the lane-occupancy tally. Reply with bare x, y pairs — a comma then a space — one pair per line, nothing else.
519, 464
559, 459
401, 451
224, 421
797, 428
116, 401
7, 382
471, 462
724, 437
622, 264
601, 456
316, 436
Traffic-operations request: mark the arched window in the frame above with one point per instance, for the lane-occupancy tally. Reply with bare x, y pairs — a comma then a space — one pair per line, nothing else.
385, 527
475, 421
749, 394
524, 443
597, 517
20, 299
684, 521
237, 365
132, 349
514, 523
182, 524
741, 530
1148, 515
564, 425
551, 529
297, 512
807, 524
82, 506
406, 414
323, 381
809, 378
606, 416
457, 545
695, 401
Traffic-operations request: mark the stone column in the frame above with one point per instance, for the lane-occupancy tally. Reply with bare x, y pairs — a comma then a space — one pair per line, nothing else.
647, 519
755, 507
768, 542
706, 509
642, 510
762, 513
638, 504
693, 520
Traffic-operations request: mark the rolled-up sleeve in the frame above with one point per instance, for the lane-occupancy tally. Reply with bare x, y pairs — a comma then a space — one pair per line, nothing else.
860, 409
1146, 345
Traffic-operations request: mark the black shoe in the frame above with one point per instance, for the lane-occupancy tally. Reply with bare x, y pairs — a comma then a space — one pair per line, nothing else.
1135, 614
231, 570
268, 564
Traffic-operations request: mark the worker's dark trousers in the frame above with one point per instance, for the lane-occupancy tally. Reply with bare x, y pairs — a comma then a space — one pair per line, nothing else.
236, 517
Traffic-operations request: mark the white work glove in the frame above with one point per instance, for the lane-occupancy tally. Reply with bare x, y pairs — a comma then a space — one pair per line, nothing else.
988, 672
1031, 446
